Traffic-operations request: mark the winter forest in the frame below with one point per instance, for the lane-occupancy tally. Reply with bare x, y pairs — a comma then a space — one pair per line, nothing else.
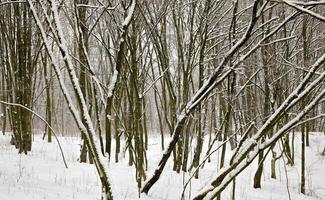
162, 99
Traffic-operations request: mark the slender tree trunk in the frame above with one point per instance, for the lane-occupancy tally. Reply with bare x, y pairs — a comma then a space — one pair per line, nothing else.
302, 172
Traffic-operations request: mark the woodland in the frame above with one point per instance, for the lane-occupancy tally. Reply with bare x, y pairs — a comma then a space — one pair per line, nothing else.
235, 78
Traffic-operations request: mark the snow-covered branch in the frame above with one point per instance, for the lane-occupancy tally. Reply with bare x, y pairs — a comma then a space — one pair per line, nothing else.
219, 74
86, 129
125, 25
304, 10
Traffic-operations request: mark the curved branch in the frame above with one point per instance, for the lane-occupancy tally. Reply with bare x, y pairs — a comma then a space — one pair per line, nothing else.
41, 118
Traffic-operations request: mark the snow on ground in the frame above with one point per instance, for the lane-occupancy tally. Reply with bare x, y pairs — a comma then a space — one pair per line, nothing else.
42, 175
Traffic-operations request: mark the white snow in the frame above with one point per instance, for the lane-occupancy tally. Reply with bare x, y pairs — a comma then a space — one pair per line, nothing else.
112, 83
128, 18
42, 175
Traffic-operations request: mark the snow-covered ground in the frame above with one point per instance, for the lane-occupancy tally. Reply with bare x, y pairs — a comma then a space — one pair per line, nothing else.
42, 175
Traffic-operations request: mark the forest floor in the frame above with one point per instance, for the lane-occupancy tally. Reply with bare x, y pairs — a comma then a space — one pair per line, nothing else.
41, 175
